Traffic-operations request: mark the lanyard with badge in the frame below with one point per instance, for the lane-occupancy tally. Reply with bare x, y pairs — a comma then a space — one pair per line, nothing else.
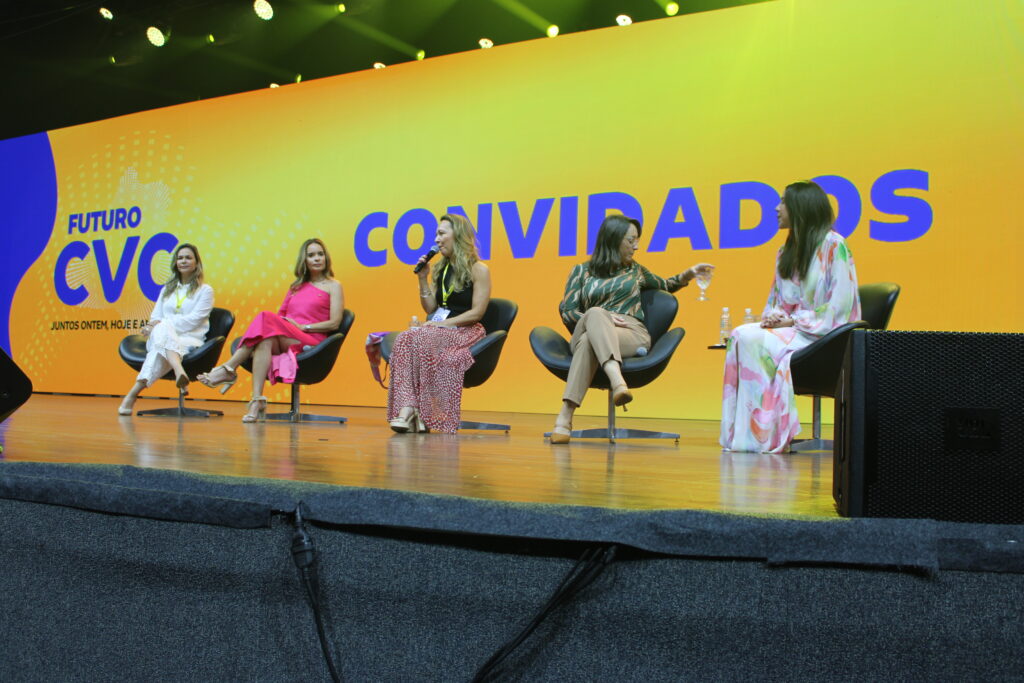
442, 312
180, 294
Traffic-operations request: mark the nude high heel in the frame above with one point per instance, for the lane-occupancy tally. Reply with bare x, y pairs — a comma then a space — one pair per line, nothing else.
621, 395
261, 410
401, 425
224, 384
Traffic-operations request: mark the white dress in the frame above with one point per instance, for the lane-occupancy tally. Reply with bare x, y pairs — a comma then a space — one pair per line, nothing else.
184, 322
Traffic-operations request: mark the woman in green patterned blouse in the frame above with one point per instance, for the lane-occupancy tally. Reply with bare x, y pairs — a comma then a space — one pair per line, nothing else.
602, 307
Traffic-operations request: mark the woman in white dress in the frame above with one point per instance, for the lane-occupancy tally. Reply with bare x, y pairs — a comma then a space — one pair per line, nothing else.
179, 323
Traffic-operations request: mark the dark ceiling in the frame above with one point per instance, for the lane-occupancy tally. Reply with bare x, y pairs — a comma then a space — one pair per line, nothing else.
58, 52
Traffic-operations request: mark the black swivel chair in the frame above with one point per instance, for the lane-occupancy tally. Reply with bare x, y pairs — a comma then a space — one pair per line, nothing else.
497, 320
660, 308
197, 361
315, 363
816, 367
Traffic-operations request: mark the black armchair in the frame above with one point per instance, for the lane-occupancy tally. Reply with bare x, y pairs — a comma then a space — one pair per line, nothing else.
197, 361
315, 363
815, 368
497, 321
660, 308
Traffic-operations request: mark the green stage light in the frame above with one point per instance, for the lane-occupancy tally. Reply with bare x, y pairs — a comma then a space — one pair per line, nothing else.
486, 43
421, 54
210, 39
298, 78
379, 65
672, 9
623, 20
106, 14
263, 10
341, 8
156, 36
274, 85
552, 31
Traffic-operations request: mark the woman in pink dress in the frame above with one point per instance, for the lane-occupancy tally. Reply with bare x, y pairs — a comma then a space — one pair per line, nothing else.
814, 292
312, 308
428, 363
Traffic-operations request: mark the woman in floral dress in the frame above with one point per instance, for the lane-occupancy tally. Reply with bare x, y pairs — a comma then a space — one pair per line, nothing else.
815, 291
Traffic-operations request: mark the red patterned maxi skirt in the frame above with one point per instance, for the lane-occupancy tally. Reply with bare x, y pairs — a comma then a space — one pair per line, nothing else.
427, 368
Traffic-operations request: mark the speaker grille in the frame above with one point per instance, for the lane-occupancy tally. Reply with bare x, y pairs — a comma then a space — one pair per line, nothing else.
945, 433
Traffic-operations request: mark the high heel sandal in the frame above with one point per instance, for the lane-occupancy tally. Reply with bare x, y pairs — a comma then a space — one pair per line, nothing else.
402, 425
560, 433
621, 395
182, 383
419, 426
261, 410
124, 412
224, 384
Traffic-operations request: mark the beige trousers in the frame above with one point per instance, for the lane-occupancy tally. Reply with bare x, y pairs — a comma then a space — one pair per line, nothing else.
595, 341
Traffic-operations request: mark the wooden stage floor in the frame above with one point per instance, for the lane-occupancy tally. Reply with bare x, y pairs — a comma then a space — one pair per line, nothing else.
520, 466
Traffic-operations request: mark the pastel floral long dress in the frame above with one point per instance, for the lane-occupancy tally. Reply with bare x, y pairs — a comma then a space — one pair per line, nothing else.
758, 404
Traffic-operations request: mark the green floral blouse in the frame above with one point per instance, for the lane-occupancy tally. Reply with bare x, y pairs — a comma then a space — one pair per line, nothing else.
619, 293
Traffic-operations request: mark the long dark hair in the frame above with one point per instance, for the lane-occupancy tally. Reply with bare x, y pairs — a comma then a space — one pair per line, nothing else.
810, 219
302, 270
607, 256
195, 282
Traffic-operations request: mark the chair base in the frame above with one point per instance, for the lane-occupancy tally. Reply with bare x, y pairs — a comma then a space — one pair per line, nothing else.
296, 415
180, 411
809, 445
815, 443
291, 416
612, 433
618, 433
490, 426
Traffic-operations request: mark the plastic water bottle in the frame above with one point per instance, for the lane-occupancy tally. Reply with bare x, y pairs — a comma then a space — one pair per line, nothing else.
415, 322
726, 327
748, 317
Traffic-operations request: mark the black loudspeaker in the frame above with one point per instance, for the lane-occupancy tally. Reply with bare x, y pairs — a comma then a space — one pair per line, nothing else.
15, 386
931, 425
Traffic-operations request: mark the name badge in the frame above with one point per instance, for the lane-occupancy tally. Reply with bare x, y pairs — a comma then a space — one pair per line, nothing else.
440, 313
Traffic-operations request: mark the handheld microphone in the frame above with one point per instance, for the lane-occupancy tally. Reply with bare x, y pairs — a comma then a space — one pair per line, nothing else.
430, 254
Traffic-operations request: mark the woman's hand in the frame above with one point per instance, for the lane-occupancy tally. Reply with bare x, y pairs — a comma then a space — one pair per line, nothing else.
148, 327
775, 319
696, 269
422, 275
293, 322
619, 321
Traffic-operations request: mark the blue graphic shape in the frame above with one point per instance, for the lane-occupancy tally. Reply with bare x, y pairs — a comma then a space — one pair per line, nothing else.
28, 193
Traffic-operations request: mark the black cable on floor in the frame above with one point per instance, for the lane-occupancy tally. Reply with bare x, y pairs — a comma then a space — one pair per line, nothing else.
587, 568
304, 555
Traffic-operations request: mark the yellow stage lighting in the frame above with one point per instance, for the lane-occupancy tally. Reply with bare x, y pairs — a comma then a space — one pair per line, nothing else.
486, 43
274, 85
672, 9
379, 65
106, 14
552, 31
341, 8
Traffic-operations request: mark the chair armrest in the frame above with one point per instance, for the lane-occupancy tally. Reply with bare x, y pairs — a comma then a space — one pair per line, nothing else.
816, 367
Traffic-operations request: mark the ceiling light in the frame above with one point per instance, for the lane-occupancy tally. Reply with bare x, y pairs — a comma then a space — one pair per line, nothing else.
623, 20
379, 65
486, 43
552, 31
263, 10
106, 14
156, 36
274, 85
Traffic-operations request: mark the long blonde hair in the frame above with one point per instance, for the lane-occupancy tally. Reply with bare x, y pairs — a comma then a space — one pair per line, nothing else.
463, 253
194, 283
302, 270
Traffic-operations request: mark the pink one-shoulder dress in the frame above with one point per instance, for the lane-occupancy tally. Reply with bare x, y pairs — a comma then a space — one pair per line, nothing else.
307, 305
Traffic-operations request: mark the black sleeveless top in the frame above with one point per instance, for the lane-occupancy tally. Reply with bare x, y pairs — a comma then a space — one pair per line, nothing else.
458, 302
